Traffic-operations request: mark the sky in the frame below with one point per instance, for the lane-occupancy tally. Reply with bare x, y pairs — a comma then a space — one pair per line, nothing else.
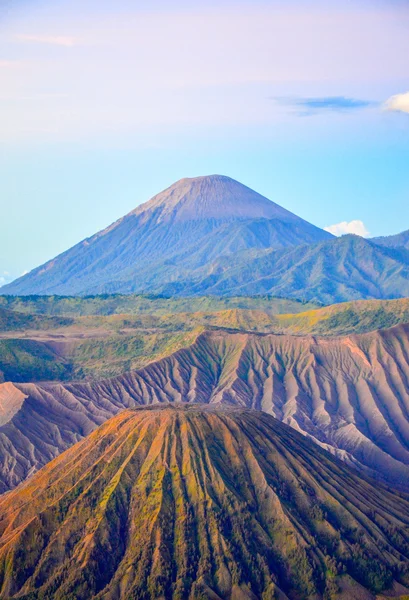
103, 104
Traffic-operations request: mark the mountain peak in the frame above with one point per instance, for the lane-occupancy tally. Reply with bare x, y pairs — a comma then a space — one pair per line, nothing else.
185, 227
212, 197
209, 178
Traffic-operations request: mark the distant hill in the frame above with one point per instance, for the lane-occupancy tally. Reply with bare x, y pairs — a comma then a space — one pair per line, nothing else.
342, 269
394, 241
12, 320
197, 503
361, 316
189, 225
105, 305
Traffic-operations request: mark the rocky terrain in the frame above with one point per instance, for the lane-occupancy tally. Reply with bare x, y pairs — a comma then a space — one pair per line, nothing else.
349, 394
181, 501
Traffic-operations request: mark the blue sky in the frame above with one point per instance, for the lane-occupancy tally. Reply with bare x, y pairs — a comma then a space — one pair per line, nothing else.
104, 104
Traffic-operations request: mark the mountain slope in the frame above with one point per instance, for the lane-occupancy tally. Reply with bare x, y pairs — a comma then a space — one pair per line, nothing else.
346, 268
394, 241
184, 502
185, 227
349, 394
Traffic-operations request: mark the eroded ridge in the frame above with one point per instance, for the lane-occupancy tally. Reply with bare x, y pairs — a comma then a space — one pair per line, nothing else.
185, 501
349, 394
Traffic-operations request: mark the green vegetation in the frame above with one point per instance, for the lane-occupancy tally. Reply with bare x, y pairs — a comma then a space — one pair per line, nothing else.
27, 360
102, 336
100, 358
115, 304
91, 338
349, 317
14, 320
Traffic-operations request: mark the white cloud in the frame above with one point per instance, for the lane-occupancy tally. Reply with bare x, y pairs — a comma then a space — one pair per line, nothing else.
5, 277
398, 103
357, 227
56, 40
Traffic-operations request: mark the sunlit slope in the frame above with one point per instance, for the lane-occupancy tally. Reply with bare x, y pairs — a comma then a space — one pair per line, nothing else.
338, 319
184, 502
348, 317
258, 312
349, 394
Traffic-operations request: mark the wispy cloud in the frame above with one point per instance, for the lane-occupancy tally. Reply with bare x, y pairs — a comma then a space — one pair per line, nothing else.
32, 97
311, 106
56, 40
398, 103
356, 226
9, 64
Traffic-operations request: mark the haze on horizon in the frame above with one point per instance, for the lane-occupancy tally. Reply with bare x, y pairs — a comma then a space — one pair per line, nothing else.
103, 106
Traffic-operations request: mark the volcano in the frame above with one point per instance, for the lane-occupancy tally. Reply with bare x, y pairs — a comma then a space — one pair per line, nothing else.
186, 227
191, 502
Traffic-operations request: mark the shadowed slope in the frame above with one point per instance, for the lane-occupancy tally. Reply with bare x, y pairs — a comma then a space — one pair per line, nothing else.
338, 270
191, 503
350, 394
